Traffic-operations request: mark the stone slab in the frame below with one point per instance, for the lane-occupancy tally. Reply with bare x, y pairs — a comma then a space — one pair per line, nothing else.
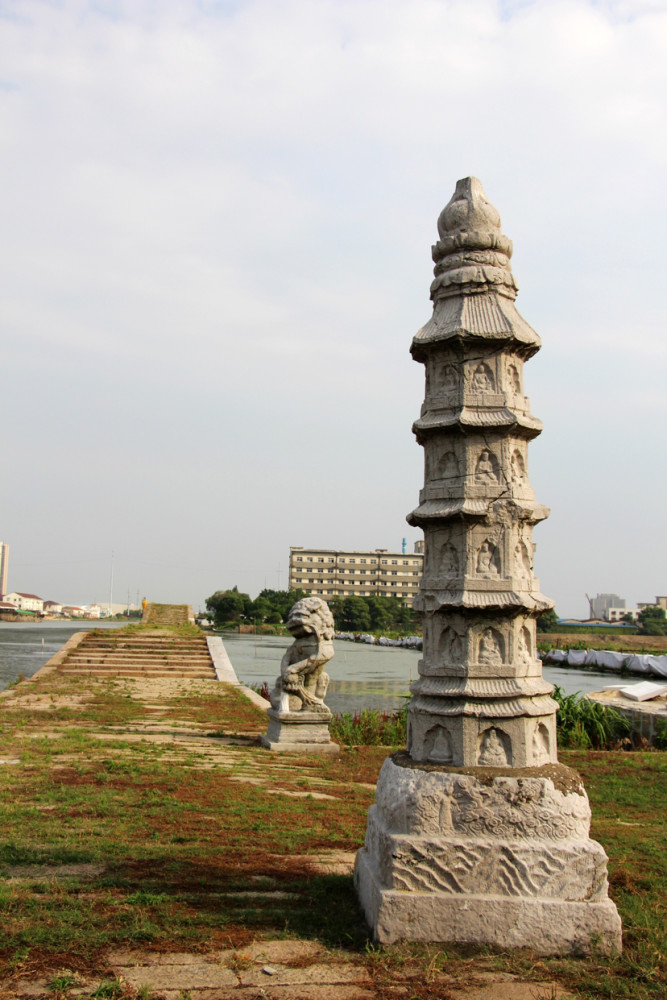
548, 926
178, 977
283, 746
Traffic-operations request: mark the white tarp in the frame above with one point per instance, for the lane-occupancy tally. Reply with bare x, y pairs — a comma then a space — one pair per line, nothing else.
638, 663
576, 657
658, 665
610, 659
555, 656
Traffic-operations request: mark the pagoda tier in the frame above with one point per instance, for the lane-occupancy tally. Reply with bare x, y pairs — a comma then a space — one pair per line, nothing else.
480, 699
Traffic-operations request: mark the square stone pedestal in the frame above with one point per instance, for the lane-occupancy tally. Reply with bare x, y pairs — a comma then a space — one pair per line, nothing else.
485, 856
299, 732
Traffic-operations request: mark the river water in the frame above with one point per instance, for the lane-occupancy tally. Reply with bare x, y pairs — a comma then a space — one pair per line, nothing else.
361, 676
26, 646
366, 676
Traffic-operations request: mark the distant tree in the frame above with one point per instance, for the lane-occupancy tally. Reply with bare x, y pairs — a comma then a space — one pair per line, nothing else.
652, 620
227, 605
548, 622
379, 612
274, 618
281, 600
356, 615
336, 608
259, 609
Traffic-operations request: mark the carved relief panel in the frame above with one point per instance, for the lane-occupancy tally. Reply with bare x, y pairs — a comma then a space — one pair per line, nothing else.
442, 466
487, 469
450, 646
438, 745
483, 379
443, 377
522, 568
494, 748
491, 647
488, 561
541, 747
514, 384
445, 555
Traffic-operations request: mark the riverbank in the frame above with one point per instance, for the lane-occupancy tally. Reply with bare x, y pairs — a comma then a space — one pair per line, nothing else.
148, 839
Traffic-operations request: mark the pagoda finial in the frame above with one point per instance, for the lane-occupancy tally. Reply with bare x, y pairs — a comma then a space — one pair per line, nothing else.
472, 250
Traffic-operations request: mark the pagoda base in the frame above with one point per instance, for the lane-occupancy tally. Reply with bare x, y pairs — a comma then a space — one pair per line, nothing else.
299, 732
485, 856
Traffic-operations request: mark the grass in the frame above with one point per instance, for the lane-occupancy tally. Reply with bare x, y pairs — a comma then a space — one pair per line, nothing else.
108, 839
622, 643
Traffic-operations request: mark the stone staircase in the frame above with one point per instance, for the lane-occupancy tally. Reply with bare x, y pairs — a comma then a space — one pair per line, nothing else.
142, 655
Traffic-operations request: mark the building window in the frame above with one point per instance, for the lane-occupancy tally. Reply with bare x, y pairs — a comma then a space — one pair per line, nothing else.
394, 562
309, 559
299, 558
384, 562
342, 560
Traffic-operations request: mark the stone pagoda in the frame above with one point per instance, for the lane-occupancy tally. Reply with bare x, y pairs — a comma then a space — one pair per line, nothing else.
478, 833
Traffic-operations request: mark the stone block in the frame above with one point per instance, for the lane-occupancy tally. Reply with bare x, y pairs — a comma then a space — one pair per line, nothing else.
487, 857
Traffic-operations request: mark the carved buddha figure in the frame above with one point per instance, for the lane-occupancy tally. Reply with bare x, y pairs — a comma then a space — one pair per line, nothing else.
486, 566
492, 753
485, 471
489, 648
482, 380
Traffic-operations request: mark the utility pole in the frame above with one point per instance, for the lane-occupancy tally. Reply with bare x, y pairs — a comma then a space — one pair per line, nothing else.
111, 587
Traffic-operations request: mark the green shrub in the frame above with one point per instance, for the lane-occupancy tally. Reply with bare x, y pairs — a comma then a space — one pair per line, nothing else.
370, 727
583, 724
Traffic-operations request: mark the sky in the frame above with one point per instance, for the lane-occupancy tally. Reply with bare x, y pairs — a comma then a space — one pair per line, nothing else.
216, 222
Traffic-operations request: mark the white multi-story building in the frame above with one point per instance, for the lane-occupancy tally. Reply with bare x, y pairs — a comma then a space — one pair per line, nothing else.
25, 602
344, 573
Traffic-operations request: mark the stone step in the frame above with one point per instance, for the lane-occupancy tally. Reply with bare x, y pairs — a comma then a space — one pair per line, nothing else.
126, 644
139, 662
184, 674
125, 656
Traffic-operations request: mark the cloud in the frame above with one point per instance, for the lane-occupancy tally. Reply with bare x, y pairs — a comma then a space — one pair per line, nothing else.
217, 220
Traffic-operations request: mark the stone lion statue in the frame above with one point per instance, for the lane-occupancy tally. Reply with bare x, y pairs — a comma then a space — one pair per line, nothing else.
303, 683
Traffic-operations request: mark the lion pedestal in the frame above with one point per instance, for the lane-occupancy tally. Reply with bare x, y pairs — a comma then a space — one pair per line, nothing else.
298, 718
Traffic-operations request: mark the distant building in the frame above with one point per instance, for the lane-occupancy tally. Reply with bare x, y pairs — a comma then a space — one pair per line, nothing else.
25, 602
601, 604
4, 563
52, 608
346, 573
618, 614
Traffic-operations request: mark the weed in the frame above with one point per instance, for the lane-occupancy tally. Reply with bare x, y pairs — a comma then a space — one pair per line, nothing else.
583, 724
370, 728
110, 989
63, 982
